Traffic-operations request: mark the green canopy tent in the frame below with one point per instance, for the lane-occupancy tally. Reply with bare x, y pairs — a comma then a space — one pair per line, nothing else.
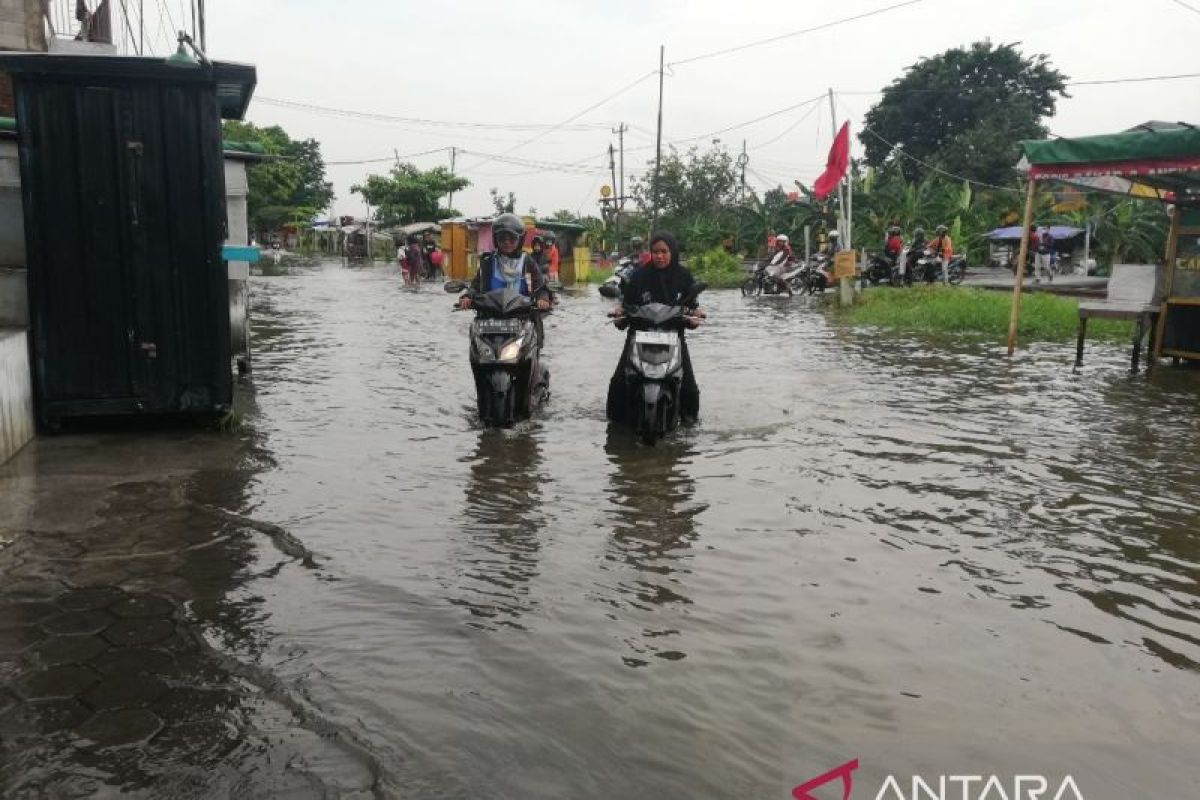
1156, 161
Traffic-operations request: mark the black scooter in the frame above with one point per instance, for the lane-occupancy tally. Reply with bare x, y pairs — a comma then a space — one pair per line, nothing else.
510, 381
654, 368
614, 285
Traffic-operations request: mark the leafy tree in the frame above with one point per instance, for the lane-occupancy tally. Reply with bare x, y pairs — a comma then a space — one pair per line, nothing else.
564, 215
278, 188
502, 203
407, 194
964, 111
688, 185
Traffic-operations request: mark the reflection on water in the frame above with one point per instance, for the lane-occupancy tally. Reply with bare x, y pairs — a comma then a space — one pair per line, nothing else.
871, 545
502, 517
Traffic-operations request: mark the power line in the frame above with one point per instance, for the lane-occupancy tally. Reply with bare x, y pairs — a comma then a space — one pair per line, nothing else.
574, 117
392, 157
782, 36
789, 128
351, 113
1193, 9
897, 149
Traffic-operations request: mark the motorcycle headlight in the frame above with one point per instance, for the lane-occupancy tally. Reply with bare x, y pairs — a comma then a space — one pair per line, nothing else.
511, 350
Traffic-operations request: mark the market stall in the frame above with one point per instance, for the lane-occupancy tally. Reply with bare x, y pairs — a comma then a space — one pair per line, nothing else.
1155, 162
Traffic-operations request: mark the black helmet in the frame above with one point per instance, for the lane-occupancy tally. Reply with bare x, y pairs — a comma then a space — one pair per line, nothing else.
549, 238
918, 231
508, 223
636, 240
941, 229
537, 240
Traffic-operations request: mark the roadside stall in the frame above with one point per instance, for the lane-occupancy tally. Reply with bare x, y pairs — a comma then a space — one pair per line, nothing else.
1155, 162
1071, 246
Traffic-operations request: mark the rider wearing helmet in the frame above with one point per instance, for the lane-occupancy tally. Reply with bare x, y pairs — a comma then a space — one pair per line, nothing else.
941, 243
834, 244
537, 251
638, 253
507, 266
780, 260
893, 244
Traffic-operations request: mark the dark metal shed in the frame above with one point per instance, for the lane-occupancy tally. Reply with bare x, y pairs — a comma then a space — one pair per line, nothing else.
123, 190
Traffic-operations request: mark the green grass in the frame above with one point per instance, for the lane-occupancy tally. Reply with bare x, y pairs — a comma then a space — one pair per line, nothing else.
951, 310
718, 269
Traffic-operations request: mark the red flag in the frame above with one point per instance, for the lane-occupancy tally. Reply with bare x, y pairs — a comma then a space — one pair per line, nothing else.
835, 166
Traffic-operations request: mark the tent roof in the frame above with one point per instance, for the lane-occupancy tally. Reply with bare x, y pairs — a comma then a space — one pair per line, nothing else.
1013, 233
1164, 156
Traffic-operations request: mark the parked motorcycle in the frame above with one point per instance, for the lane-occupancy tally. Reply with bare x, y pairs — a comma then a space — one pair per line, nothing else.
817, 275
881, 269
614, 285
654, 368
956, 270
510, 381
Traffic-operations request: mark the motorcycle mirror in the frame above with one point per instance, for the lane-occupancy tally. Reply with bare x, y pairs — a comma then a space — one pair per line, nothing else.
452, 287
610, 291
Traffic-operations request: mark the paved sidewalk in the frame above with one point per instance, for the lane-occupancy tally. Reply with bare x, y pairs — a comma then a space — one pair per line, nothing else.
123, 559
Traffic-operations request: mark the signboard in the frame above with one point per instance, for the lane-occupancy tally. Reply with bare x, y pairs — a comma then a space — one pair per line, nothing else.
845, 264
606, 191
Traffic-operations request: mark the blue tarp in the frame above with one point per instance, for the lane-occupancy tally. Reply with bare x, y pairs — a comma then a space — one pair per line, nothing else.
1014, 233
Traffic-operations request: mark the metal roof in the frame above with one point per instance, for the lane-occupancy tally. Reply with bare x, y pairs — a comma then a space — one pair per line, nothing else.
234, 83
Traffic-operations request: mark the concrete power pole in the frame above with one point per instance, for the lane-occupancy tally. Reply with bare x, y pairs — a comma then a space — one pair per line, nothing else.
450, 200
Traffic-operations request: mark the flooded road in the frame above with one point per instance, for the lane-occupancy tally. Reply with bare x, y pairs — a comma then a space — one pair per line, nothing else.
926, 558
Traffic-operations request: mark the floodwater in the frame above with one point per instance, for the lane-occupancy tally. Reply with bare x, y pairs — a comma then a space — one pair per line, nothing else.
918, 555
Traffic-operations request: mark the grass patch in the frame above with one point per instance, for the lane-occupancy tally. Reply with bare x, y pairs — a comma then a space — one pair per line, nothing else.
952, 310
718, 269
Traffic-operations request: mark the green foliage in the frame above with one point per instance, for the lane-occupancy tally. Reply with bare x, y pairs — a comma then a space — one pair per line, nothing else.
564, 215
717, 268
504, 204
407, 194
689, 186
966, 311
964, 111
294, 181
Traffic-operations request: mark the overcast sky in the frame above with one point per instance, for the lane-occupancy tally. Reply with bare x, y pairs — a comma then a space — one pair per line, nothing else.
534, 62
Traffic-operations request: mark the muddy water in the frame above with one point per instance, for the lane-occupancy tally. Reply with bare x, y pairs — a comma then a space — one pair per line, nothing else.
923, 557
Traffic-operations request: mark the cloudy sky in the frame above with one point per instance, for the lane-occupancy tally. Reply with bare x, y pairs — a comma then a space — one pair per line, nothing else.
494, 69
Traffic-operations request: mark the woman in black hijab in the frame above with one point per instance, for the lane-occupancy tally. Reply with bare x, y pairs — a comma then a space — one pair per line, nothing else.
663, 280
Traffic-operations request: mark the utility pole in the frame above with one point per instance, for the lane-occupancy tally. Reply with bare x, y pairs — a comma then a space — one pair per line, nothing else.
450, 201
742, 161
142, 27
615, 208
203, 27
620, 189
662, 50
195, 33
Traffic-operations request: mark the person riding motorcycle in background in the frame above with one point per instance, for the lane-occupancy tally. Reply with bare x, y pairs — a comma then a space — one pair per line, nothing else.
780, 260
638, 253
941, 244
507, 266
537, 251
893, 244
833, 245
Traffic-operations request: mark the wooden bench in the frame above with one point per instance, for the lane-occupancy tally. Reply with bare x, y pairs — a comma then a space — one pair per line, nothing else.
1133, 295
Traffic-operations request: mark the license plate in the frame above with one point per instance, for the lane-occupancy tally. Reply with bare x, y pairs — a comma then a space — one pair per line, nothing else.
655, 337
499, 326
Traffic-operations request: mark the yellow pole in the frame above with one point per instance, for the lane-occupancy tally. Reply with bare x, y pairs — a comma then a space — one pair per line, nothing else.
1024, 252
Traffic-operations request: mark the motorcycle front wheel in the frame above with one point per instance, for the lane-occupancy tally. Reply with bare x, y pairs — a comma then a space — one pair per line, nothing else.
751, 287
955, 277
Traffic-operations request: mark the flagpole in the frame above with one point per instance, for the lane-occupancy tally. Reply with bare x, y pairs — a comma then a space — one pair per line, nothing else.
847, 290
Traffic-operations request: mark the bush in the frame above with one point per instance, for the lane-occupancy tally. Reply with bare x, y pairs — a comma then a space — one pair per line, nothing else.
942, 309
717, 268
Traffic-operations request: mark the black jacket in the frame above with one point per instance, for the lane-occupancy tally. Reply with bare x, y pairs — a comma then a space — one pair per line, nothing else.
533, 276
649, 284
